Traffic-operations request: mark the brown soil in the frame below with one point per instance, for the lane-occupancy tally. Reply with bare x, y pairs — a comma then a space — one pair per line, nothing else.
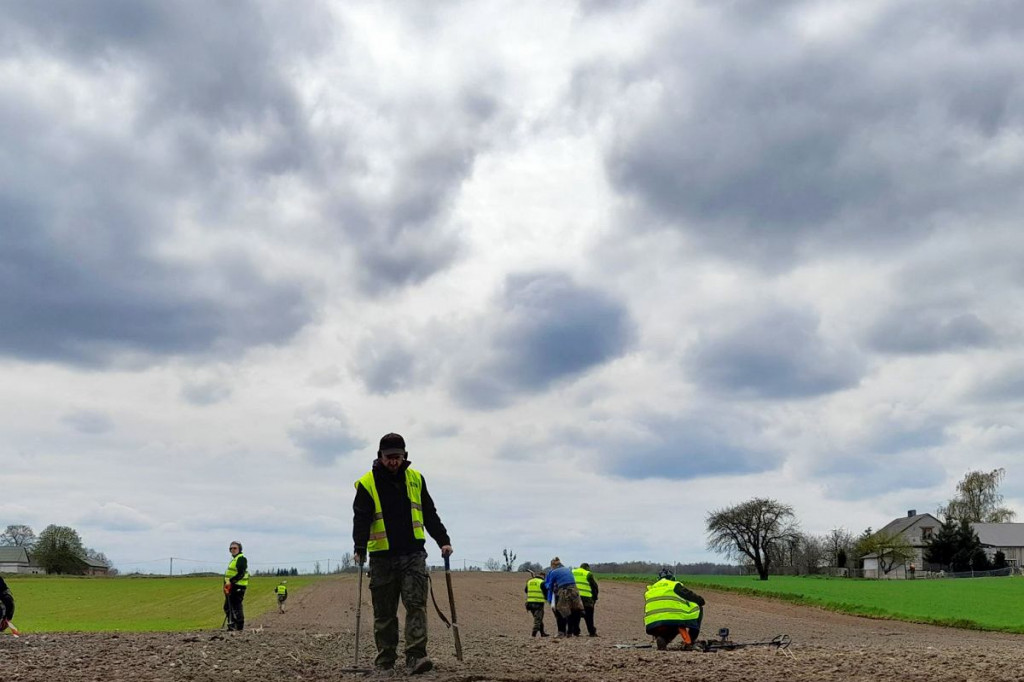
315, 640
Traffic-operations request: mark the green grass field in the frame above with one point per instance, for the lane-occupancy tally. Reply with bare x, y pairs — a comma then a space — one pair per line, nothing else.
134, 604
975, 603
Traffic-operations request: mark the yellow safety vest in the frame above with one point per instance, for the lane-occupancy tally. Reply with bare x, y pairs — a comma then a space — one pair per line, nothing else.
414, 488
232, 570
534, 595
665, 607
582, 584
281, 589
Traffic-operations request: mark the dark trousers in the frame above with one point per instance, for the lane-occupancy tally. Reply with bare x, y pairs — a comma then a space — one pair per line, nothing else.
233, 607
392, 579
569, 625
538, 618
588, 616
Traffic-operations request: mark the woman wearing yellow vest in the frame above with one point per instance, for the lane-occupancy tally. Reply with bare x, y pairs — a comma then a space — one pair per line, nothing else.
392, 509
671, 609
236, 580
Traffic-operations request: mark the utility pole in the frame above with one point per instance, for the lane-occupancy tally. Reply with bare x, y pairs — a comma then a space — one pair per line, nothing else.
171, 571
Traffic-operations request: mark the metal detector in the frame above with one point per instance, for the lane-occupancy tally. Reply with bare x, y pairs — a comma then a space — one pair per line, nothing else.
359, 609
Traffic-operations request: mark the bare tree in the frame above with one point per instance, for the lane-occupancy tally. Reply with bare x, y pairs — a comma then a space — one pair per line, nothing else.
510, 559
978, 500
837, 543
18, 535
492, 564
754, 530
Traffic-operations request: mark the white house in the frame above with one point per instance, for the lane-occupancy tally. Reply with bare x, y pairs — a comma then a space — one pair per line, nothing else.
1007, 538
916, 529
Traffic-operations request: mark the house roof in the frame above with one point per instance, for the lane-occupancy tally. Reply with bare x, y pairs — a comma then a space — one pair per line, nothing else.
13, 555
906, 523
1000, 534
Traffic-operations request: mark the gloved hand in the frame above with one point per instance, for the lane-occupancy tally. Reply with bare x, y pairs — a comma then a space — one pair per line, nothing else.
227, 588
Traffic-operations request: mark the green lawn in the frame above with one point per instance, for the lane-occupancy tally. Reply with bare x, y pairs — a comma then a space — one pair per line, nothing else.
134, 604
976, 603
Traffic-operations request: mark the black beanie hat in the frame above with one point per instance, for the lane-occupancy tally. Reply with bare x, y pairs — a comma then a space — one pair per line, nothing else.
390, 444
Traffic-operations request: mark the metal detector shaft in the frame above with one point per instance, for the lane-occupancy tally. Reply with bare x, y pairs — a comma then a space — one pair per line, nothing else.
451, 602
359, 609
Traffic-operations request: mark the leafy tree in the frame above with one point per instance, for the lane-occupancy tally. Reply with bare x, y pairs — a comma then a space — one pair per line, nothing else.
510, 559
841, 558
892, 549
530, 567
18, 535
999, 560
943, 545
978, 499
59, 550
754, 530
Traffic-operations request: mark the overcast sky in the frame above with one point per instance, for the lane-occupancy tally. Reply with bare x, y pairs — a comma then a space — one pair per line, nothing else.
607, 265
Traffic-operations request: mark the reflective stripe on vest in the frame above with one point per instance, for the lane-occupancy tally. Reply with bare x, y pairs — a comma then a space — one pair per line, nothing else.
414, 489
534, 595
665, 607
232, 570
582, 584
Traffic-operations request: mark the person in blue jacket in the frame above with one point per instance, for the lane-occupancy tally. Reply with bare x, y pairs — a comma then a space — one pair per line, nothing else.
560, 585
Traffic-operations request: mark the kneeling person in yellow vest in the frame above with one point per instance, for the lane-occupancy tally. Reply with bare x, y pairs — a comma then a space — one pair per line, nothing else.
236, 580
536, 598
671, 609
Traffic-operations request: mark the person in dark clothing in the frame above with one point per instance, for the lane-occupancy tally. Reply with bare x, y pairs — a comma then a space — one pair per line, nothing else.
6, 605
392, 512
236, 580
587, 586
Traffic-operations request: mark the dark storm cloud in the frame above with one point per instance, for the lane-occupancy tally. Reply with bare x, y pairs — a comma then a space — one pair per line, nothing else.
547, 329
914, 331
385, 364
323, 433
777, 354
766, 145
685, 446
86, 211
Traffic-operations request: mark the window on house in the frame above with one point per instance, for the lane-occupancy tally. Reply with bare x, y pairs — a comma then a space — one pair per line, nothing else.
926, 533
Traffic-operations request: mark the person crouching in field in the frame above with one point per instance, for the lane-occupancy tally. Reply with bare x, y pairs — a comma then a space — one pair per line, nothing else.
561, 583
671, 609
536, 598
6, 606
282, 594
236, 580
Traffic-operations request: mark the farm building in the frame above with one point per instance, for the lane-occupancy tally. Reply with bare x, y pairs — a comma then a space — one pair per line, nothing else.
17, 560
1007, 538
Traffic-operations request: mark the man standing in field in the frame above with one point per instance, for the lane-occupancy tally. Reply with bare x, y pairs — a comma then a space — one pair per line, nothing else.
670, 609
282, 594
536, 598
391, 511
236, 579
587, 586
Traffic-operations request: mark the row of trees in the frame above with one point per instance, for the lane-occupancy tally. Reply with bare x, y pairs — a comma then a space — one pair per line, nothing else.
57, 549
764, 534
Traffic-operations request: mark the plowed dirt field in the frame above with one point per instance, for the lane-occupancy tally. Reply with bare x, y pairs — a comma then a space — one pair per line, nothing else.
315, 640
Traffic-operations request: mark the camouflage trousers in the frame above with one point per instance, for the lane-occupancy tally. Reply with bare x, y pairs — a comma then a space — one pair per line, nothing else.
538, 616
393, 578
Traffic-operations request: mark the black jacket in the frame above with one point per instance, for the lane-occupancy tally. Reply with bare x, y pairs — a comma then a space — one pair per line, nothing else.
394, 503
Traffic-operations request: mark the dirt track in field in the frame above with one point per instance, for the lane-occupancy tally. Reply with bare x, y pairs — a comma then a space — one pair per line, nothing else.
315, 638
